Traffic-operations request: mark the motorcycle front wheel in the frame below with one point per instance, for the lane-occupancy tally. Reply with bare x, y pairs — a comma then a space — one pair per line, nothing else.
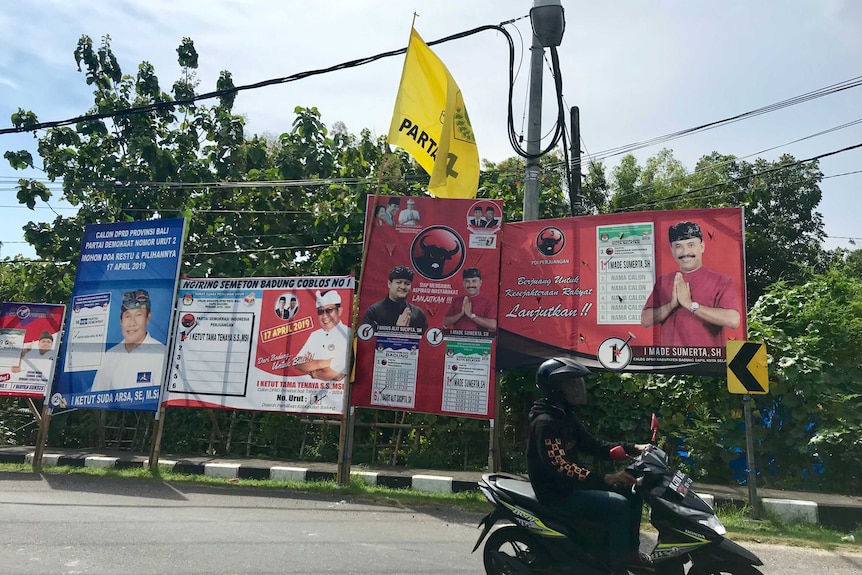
723, 568
510, 550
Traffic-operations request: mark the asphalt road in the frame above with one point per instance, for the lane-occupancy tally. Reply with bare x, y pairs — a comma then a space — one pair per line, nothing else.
97, 525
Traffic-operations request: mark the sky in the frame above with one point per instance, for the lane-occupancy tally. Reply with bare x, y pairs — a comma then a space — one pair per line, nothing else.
636, 70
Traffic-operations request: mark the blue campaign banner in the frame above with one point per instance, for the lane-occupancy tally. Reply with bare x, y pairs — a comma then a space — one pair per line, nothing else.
115, 349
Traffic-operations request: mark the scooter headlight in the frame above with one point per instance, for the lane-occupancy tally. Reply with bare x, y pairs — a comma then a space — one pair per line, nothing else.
713, 523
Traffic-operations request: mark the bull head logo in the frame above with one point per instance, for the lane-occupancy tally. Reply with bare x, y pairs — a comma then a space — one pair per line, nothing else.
550, 241
434, 256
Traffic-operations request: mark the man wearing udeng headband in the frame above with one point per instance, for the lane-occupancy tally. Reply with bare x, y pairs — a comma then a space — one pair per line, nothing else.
695, 304
139, 359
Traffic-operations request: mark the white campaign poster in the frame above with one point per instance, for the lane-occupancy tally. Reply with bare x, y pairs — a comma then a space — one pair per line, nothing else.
262, 344
625, 269
11, 344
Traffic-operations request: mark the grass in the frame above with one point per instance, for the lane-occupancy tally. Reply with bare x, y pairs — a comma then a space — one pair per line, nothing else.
469, 501
740, 526
770, 529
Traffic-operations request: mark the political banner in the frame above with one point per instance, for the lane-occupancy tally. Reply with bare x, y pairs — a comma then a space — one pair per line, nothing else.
115, 349
640, 292
29, 338
426, 336
262, 344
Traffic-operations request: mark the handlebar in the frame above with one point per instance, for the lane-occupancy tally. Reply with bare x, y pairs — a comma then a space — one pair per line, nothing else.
618, 453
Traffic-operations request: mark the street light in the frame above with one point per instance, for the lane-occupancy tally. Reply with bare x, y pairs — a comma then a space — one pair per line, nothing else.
548, 22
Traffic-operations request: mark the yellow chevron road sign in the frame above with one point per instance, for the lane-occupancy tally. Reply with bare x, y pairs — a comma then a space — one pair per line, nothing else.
746, 367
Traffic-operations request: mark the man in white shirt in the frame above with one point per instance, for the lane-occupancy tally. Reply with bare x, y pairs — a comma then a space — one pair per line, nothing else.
324, 355
138, 360
410, 216
40, 359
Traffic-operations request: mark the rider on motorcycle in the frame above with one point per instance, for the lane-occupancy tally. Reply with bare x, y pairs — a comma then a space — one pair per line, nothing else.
561, 482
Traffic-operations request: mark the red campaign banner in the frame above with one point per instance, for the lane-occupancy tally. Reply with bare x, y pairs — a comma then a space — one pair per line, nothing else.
262, 344
426, 336
29, 339
657, 292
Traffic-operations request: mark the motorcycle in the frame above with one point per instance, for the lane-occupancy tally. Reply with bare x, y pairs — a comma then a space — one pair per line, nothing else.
539, 540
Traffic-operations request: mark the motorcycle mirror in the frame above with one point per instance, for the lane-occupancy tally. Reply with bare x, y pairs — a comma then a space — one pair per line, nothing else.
653, 425
618, 453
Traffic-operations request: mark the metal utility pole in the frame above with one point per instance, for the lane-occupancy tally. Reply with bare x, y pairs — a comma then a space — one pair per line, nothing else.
534, 132
576, 196
548, 25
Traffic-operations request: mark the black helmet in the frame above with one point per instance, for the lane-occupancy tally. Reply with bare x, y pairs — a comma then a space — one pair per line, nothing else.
554, 375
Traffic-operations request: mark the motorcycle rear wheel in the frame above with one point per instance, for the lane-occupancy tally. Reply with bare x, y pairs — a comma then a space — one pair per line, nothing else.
511, 550
723, 568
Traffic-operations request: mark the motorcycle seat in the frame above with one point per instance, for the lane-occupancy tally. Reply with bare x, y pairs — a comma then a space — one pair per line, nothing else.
522, 493
521, 489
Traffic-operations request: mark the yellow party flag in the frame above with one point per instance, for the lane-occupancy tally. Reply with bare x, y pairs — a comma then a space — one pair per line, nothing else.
431, 123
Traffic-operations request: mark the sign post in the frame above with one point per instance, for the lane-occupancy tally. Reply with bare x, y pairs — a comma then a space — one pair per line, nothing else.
747, 374
749, 458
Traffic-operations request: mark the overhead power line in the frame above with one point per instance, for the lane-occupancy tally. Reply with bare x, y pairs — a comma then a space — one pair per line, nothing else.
271, 82
716, 165
619, 150
828, 90
731, 180
808, 96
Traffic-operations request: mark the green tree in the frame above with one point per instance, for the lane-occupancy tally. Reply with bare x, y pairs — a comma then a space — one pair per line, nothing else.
505, 181
625, 184
815, 374
595, 189
846, 261
784, 230
133, 165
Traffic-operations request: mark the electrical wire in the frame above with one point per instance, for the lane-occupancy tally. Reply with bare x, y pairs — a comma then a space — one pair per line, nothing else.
559, 130
716, 165
686, 193
188, 255
560, 124
806, 97
514, 139
171, 104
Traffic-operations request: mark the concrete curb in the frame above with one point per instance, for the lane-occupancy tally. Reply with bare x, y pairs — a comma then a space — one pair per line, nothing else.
841, 518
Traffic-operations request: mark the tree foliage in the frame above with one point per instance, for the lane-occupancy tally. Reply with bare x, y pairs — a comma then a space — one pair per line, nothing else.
784, 230
504, 181
813, 410
256, 206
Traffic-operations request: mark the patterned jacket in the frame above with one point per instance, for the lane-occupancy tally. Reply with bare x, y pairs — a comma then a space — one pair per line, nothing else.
556, 437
